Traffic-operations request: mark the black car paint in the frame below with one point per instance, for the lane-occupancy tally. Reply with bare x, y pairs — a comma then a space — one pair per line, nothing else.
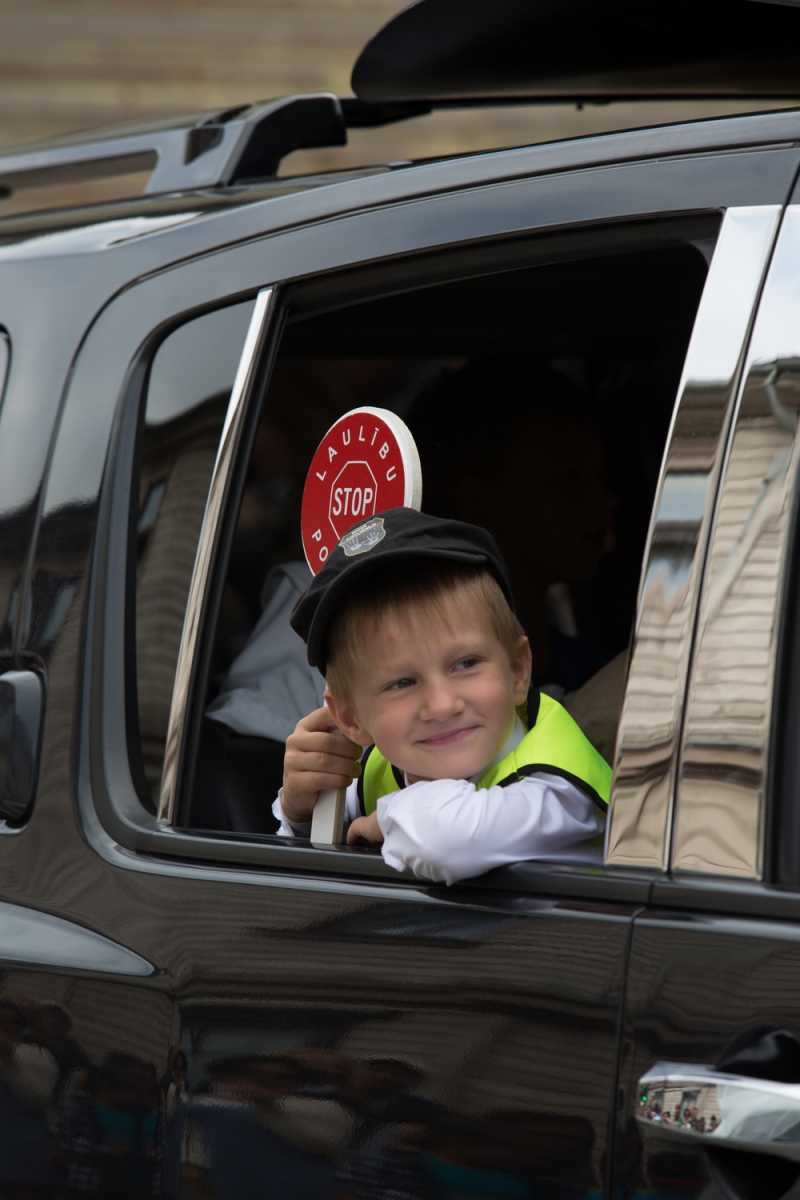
509, 989
697, 982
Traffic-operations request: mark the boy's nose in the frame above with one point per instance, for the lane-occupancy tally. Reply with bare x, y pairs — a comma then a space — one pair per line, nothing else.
440, 701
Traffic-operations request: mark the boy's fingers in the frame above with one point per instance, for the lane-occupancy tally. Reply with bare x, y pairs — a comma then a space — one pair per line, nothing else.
330, 743
320, 721
307, 787
318, 757
317, 760
366, 828
344, 745
321, 781
353, 834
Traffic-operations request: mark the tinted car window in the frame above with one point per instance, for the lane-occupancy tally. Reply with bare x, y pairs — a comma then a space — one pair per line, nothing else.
190, 380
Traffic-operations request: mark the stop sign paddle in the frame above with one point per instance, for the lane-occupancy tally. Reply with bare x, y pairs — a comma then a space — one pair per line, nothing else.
367, 462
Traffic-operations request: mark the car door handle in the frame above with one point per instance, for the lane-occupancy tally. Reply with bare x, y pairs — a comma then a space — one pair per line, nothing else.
700, 1106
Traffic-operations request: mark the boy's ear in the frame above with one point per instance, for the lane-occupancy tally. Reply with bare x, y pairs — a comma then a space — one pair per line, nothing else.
521, 667
346, 718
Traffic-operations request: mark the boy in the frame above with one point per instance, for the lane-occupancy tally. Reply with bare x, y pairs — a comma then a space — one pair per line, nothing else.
411, 621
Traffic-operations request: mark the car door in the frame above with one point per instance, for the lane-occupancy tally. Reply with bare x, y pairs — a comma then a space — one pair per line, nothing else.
309, 1019
710, 1040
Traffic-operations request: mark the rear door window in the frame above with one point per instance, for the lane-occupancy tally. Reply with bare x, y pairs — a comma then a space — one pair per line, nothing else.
189, 386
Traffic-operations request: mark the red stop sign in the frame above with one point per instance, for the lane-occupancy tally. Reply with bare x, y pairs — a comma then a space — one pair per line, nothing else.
367, 462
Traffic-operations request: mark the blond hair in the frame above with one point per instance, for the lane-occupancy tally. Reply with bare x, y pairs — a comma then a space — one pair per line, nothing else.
425, 592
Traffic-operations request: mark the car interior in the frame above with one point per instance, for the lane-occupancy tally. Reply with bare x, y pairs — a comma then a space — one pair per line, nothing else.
538, 379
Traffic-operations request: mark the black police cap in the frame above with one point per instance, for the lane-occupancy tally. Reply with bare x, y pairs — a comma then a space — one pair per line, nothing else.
398, 533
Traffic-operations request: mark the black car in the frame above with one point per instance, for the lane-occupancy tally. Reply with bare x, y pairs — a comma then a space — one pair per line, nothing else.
193, 1005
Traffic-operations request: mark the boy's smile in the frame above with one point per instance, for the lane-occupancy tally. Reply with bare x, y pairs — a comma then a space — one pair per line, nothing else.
437, 699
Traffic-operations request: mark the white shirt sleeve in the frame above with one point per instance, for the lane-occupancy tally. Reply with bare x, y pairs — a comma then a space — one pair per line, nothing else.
448, 829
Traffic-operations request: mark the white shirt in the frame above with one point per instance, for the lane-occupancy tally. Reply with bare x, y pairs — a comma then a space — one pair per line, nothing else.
449, 829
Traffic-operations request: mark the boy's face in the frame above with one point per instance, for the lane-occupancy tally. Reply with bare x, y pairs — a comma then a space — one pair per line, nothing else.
437, 699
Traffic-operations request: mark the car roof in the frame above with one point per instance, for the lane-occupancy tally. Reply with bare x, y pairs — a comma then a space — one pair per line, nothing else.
146, 214
266, 206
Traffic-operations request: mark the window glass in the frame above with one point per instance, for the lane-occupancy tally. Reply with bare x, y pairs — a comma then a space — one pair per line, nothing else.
540, 400
189, 386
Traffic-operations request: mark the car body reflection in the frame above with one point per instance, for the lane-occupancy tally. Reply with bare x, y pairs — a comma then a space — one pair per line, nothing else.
71, 1128
309, 1120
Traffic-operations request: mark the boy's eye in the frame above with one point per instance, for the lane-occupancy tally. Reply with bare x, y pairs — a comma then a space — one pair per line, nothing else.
464, 664
399, 684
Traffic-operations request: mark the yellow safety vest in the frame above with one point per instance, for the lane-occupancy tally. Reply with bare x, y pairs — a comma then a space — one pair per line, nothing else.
553, 743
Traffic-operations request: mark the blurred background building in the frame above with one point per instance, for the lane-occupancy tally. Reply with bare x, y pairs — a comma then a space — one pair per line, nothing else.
68, 65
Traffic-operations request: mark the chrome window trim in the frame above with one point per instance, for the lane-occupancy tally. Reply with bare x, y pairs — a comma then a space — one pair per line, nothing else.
207, 545
720, 826
645, 765
5, 359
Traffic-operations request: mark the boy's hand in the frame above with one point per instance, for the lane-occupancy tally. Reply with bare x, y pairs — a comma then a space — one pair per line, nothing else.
318, 756
364, 827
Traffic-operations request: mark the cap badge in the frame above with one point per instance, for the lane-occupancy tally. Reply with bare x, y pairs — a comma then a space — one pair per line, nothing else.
359, 540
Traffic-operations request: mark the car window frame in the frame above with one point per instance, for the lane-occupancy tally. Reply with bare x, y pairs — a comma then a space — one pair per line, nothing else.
311, 296
125, 822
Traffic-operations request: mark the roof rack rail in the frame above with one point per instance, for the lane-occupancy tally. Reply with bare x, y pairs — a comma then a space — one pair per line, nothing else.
236, 145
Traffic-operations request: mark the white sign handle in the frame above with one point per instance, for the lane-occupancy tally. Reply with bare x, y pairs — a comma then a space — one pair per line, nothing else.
327, 821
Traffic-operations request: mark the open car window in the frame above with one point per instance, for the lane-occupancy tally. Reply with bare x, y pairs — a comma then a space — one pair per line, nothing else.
563, 473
